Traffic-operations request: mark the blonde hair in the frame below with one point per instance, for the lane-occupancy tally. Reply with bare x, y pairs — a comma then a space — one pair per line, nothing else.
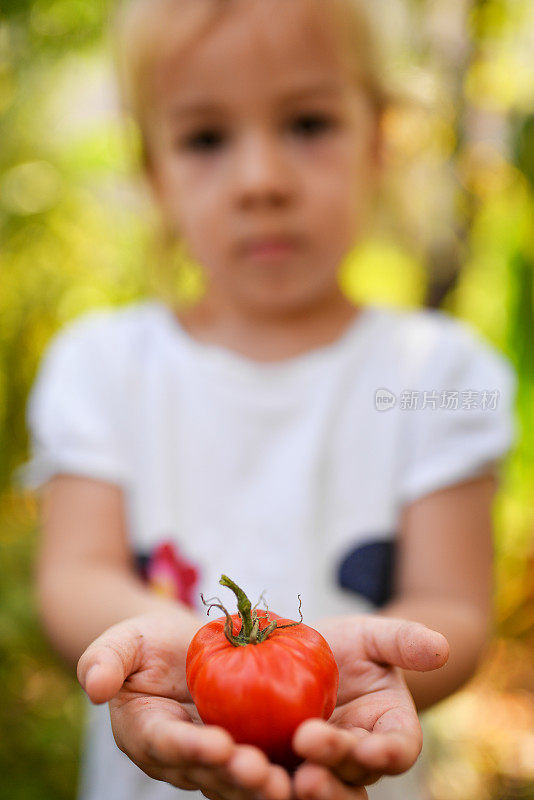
141, 38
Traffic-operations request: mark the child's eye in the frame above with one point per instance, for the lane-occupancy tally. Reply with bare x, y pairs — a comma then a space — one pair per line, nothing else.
312, 124
204, 140
210, 139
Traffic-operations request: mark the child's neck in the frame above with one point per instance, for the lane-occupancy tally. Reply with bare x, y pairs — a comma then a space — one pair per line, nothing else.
270, 337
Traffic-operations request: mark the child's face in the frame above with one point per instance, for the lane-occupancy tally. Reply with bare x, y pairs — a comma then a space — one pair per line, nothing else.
283, 146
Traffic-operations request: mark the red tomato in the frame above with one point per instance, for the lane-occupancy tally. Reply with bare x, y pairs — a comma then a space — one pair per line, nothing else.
260, 693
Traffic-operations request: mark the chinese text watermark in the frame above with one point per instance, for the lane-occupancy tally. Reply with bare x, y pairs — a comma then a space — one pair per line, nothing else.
448, 400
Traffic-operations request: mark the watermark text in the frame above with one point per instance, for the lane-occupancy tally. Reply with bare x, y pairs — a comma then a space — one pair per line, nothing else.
448, 400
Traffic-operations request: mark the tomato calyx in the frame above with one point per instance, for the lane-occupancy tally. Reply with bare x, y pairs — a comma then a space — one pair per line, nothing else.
250, 632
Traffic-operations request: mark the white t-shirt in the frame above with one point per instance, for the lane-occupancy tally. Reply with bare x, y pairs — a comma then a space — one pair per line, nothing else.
288, 476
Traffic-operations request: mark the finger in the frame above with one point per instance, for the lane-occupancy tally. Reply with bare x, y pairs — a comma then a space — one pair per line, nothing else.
212, 795
332, 747
171, 741
278, 784
313, 782
390, 718
405, 644
173, 776
109, 660
358, 756
183, 779
250, 769
248, 766
248, 774
389, 753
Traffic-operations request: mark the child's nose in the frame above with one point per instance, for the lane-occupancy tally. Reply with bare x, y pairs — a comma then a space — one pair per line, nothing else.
263, 171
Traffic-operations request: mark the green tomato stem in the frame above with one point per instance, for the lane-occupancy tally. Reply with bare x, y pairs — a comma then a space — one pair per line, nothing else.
244, 606
250, 632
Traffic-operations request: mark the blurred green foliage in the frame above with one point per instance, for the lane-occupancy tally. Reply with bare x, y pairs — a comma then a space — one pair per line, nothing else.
455, 230
41, 709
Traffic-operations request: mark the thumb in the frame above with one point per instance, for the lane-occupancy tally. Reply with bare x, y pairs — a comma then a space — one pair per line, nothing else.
405, 644
109, 660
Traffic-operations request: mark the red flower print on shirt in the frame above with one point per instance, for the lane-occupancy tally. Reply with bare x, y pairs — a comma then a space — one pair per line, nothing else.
171, 575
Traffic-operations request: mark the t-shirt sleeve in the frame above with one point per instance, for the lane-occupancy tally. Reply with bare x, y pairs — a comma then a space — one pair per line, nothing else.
460, 418
72, 409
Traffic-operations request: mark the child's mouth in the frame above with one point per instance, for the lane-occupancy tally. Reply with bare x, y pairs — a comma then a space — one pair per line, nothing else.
270, 249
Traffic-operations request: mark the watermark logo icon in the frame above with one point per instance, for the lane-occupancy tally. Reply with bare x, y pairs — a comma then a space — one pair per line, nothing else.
384, 400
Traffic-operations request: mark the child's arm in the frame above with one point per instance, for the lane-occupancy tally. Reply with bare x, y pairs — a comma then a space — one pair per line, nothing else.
88, 590
444, 579
85, 578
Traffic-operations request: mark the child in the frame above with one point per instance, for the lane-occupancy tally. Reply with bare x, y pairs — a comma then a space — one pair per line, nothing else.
273, 432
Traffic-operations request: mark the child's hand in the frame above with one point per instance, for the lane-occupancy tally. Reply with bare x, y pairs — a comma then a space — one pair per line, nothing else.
139, 667
374, 729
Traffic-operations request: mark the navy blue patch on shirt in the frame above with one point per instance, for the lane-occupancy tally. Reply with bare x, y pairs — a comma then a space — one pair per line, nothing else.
369, 571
